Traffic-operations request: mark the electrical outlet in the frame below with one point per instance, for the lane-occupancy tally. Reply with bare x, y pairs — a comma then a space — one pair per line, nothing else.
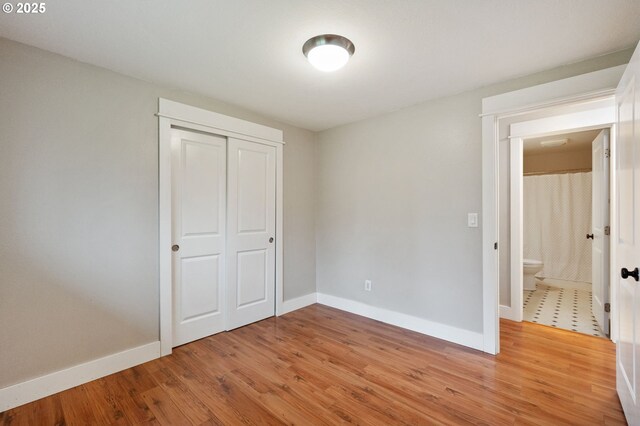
367, 285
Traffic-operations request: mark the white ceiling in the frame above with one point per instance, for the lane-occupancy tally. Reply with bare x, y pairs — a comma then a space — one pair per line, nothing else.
248, 52
576, 141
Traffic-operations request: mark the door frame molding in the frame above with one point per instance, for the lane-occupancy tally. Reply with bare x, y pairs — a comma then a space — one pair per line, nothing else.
581, 88
173, 114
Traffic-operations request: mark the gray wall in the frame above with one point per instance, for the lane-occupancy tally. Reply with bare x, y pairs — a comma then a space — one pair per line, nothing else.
299, 212
79, 210
394, 192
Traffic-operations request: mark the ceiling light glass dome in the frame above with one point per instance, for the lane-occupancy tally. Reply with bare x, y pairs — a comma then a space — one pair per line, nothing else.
328, 52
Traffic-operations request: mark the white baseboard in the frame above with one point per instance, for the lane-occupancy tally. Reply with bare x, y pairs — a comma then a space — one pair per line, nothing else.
441, 331
506, 312
31, 390
297, 303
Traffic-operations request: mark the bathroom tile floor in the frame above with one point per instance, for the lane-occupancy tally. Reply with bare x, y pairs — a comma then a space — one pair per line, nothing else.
566, 308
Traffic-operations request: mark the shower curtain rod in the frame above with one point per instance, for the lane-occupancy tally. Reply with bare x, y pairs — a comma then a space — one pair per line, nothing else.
557, 172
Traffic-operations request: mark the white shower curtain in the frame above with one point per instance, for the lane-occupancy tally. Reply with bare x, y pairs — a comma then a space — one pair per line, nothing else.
557, 218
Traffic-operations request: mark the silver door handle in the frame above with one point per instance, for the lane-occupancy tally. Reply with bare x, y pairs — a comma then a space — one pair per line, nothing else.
175, 247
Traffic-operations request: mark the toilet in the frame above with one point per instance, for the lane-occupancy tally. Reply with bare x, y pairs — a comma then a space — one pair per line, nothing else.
530, 268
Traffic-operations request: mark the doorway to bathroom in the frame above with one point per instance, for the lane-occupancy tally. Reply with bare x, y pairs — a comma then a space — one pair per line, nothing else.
565, 238
559, 214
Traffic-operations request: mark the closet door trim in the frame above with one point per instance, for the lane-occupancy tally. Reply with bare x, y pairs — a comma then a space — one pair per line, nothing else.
176, 115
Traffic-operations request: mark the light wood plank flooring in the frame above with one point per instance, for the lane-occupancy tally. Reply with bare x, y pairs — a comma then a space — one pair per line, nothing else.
319, 365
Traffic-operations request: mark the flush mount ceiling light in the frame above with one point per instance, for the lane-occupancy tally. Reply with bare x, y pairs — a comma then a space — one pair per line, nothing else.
554, 142
328, 52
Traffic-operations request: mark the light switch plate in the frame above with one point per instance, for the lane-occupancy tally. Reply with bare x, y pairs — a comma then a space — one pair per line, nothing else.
472, 220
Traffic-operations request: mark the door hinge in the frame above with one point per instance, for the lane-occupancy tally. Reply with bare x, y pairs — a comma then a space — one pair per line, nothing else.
607, 307
495, 246
607, 230
607, 153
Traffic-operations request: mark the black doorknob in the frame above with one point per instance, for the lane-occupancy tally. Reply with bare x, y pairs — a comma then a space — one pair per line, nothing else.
625, 273
271, 239
589, 236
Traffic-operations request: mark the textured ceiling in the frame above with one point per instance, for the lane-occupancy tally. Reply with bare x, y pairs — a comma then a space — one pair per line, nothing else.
248, 52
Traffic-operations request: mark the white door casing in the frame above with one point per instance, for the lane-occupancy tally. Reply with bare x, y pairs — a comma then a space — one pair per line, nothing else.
251, 232
516, 198
627, 240
599, 227
580, 91
199, 234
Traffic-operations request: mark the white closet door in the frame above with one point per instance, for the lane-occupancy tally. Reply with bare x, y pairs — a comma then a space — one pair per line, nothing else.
198, 230
251, 229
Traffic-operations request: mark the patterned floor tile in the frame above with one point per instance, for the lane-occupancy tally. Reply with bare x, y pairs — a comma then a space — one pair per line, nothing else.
565, 308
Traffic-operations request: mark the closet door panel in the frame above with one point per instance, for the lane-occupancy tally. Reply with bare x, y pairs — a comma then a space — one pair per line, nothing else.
199, 234
251, 212
252, 187
252, 279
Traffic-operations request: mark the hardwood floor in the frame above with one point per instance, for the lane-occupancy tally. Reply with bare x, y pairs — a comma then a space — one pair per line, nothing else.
319, 365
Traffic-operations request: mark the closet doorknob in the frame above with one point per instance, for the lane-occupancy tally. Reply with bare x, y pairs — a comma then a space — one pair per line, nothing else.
589, 236
271, 239
625, 273
175, 247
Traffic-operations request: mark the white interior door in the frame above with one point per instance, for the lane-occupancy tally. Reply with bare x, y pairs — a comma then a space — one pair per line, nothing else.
198, 170
251, 232
599, 227
627, 240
